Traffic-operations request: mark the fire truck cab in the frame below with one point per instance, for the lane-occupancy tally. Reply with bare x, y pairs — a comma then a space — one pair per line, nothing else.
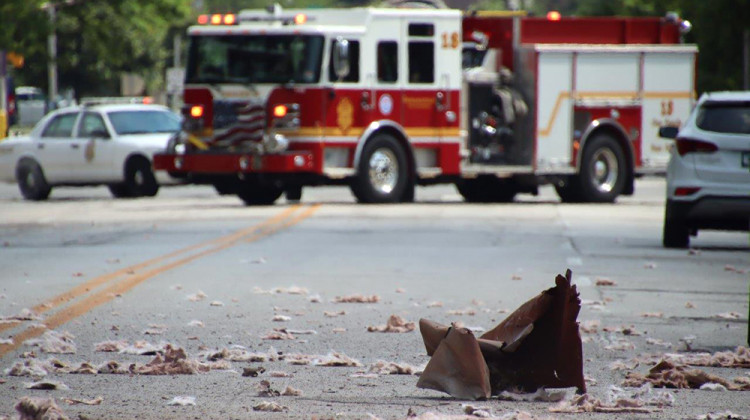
383, 100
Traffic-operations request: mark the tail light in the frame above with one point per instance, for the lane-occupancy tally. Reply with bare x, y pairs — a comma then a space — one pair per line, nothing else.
686, 145
685, 191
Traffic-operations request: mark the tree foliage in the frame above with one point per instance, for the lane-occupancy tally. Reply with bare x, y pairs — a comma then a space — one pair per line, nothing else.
718, 28
98, 40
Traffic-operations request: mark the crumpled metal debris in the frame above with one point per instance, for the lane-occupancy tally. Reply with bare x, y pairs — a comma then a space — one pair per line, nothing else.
536, 346
29, 408
395, 324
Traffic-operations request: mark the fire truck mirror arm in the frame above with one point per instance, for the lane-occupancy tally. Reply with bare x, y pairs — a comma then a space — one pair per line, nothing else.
341, 58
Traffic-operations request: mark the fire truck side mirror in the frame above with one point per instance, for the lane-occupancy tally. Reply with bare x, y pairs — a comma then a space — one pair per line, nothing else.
341, 58
668, 132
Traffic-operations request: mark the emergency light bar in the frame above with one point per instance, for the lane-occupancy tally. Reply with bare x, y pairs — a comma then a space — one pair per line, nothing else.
218, 19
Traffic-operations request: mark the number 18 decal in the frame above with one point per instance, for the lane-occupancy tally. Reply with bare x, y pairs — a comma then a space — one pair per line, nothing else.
451, 40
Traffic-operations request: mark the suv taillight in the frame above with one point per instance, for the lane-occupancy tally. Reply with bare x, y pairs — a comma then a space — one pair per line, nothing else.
685, 146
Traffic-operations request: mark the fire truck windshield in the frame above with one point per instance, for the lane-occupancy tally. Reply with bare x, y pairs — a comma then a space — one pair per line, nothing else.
248, 59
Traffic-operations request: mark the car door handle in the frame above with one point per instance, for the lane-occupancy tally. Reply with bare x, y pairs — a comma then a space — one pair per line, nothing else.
75, 146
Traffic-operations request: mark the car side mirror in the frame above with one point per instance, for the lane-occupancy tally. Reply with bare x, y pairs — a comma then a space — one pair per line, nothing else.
668, 132
341, 58
99, 134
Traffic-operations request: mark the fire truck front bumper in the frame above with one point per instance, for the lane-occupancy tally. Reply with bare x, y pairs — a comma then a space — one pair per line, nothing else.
234, 163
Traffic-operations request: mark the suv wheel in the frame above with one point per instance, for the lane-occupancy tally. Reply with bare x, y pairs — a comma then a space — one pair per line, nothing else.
676, 233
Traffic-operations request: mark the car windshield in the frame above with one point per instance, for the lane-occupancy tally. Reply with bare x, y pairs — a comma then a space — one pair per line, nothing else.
254, 59
141, 122
724, 117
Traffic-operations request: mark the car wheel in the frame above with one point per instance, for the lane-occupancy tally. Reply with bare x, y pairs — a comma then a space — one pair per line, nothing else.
602, 176
487, 189
119, 190
31, 181
254, 194
139, 178
676, 233
382, 173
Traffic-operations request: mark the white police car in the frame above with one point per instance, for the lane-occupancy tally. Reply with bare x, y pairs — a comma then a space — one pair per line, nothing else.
708, 177
100, 144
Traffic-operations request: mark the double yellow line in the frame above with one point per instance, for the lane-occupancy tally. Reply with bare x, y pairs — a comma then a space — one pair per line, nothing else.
97, 291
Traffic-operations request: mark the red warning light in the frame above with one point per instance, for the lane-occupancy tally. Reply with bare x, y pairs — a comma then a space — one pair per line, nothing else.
553, 15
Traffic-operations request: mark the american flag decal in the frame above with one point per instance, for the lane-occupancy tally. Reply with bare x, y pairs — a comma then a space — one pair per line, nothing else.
237, 122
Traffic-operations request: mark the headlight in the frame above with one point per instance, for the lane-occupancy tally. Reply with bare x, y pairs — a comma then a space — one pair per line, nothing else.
275, 143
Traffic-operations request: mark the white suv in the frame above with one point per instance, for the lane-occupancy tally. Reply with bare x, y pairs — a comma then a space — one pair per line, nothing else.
91, 145
708, 177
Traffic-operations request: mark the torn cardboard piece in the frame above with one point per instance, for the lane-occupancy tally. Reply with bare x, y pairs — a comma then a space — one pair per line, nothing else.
536, 346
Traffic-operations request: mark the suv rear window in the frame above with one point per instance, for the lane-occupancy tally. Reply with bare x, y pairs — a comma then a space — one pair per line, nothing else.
724, 117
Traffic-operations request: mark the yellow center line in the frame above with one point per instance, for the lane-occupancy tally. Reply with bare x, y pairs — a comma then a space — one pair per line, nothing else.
107, 294
88, 286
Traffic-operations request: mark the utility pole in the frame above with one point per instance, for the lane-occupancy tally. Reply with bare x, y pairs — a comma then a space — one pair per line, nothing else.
52, 46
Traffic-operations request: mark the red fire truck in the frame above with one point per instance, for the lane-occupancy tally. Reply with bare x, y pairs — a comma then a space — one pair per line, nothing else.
383, 100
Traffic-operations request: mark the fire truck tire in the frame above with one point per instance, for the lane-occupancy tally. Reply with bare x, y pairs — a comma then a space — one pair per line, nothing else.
382, 175
602, 176
139, 178
676, 233
570, 192
224, 188
119, 191
486, 189
31, 181
254, 194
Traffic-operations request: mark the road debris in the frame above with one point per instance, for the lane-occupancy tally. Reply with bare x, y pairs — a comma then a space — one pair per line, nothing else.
281, 318
725, 415
382, 367
253, 371
670, 375
96, 401
279, 334
24, 315
265, 390
29, 367
462, 312
395, 324
54, 342
291, 392
182, 401
174, 362
47, 385
739, 358
357, 298
155, 329
537, 345
605, 282
652, 315
331, 359
216, 303
541, 395
279, 374
333, 314
30, 408
270, 406
588, 404
196, 297
728, 315
195, 323
476, 411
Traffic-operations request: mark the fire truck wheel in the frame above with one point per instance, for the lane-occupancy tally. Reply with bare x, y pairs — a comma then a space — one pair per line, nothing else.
31, 181
119, 191
602, 176
254, 194
486, 189
382, 175
139, 178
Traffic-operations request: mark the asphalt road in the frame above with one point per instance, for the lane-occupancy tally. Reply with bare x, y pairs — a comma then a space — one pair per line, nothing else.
134, 270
